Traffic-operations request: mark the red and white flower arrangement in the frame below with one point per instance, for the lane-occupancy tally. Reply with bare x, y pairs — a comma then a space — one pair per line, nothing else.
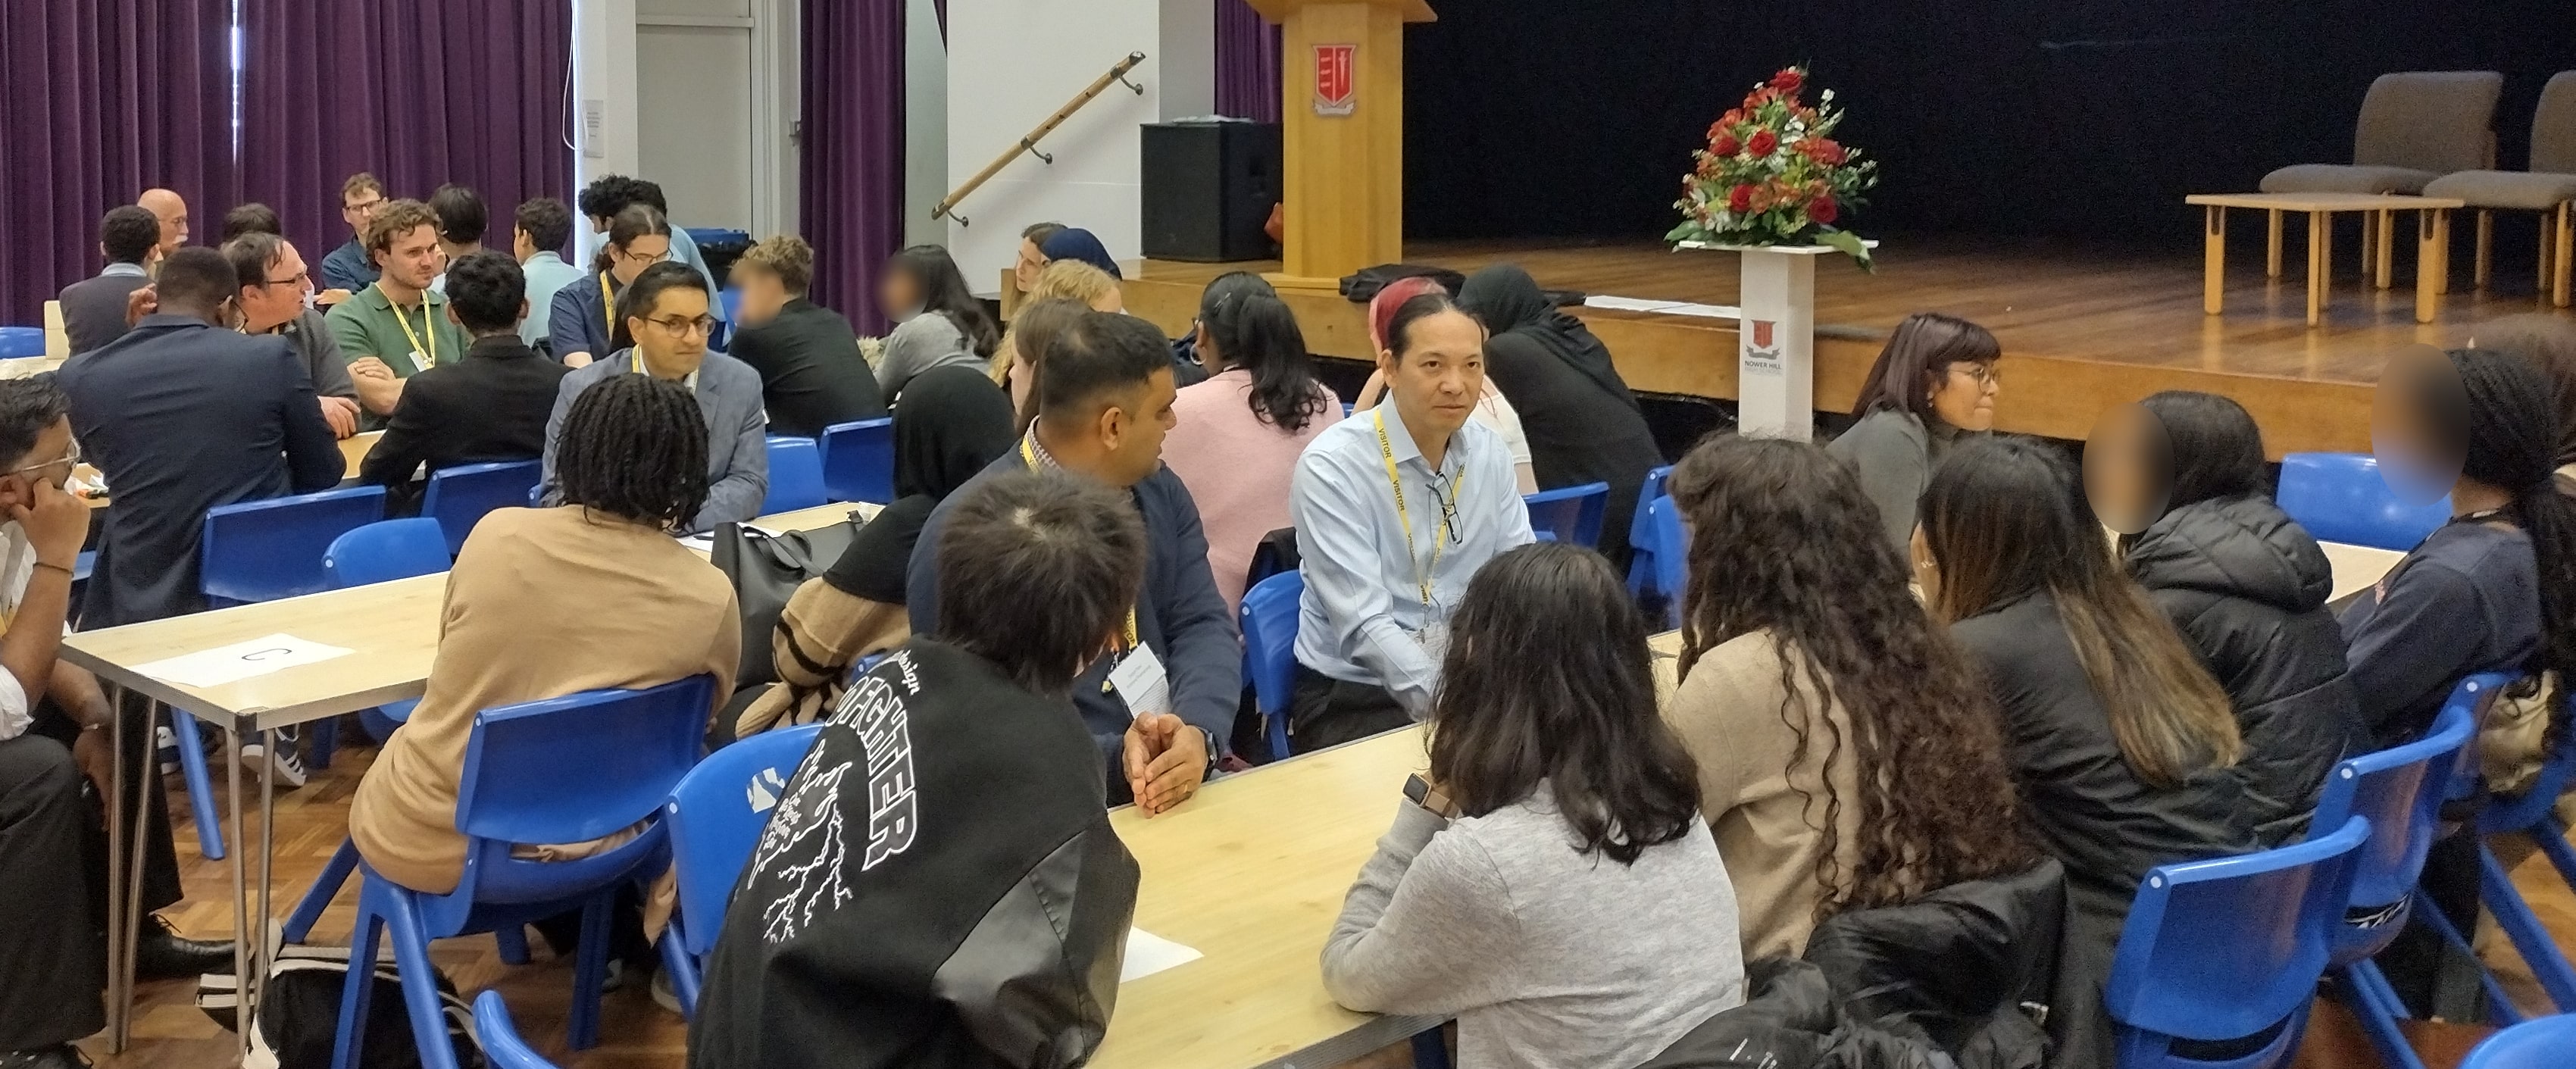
1773, 174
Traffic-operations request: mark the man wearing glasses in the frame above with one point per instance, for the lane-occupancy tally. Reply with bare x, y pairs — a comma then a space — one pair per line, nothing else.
1396, 508
663, 320
397, 327
347, 269
276, 295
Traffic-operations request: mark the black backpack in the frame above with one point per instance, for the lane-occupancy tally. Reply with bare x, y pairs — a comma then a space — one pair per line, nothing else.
299, 1014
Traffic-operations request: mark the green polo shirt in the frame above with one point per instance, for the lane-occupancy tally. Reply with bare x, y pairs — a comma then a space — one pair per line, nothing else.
407, 340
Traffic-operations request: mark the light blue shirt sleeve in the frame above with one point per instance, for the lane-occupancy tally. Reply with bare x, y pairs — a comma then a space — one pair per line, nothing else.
1353, 581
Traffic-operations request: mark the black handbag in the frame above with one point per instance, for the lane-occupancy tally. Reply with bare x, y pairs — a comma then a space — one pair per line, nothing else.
765, 570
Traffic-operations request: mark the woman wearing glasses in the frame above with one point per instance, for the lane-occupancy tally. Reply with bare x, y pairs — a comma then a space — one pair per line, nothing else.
1935, 380
663, 319
638, 238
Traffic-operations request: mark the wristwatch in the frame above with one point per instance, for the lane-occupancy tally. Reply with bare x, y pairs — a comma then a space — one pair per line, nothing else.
1429, 797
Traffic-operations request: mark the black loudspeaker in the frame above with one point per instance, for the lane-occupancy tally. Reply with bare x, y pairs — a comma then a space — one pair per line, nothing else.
1208, 190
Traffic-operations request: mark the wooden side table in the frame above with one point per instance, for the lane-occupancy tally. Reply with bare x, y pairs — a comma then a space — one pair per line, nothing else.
2432, 241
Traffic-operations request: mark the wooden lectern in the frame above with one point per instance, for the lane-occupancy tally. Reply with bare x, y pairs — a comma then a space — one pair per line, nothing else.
1341, 106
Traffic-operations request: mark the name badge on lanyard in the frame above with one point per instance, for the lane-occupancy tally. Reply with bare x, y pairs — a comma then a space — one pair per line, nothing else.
1141, 683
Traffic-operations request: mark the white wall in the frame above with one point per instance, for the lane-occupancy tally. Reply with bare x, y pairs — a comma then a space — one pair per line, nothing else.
925, 123
723, 89
603, 88
1012, 63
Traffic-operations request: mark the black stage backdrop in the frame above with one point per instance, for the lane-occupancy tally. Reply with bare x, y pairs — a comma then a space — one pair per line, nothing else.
1576, 118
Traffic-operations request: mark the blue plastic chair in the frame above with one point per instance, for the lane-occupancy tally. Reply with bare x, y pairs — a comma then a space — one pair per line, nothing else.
795, 476
858, 461
501, 1043
1270, 651
1641, 534
2341, 497
2227, 949
20, 342
191, 742
1668, 546
716, 815
2547, 1043
272, 549
2400, 790
1571, 514
631, 748
2532, 814
459, 496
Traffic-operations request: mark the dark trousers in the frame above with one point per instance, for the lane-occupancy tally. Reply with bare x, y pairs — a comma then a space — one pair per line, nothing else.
1324, 711
2427, 974
53, 876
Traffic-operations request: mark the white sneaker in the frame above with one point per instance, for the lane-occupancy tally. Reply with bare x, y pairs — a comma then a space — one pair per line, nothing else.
288, 768
167, 745
663, 993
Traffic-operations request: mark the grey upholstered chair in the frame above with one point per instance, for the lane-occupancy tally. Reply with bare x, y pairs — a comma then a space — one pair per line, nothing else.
2414, 127
2549, 188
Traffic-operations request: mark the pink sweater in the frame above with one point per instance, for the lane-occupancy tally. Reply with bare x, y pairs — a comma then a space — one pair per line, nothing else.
1237, 468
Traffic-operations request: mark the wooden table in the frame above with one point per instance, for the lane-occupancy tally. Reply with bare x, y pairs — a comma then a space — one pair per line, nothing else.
1251, 873
2432, 241
391, 631
2356, 568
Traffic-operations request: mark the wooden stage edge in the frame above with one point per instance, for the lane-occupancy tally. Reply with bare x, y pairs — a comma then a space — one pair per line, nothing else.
2083, 328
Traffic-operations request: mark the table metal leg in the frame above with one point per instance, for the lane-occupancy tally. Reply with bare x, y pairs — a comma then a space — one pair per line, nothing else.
2272, 245
2317, 222
118, 1005
2428, 263
2386, 228
131, 906
2213, 283
241, 914
267, 856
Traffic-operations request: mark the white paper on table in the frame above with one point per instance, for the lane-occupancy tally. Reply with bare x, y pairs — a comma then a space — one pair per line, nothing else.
1148, 954
706, 543
1628, 304
1706, 311
240, 661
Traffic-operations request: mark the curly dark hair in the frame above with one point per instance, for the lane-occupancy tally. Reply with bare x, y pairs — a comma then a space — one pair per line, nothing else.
1548, 678
1783, 540
634, 446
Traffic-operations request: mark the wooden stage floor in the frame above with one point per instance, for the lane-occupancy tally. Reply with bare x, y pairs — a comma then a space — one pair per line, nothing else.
2083, 328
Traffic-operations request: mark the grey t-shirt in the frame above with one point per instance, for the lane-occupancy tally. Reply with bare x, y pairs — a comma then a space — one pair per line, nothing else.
923, 342
1547, 957
311, 339
1894, 454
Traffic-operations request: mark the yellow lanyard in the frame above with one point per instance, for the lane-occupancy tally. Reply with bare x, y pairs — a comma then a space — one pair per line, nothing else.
607, 307
1386, 452
427, 354
1029, 457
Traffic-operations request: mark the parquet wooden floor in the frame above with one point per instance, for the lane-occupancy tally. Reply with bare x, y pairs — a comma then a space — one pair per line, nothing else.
170, 1033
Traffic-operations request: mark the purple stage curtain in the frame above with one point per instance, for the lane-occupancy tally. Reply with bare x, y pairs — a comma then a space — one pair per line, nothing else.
469, 91
1247, 63
850, 174
103, 100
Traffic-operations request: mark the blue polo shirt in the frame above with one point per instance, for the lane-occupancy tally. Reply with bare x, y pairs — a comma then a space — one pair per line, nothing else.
347, 268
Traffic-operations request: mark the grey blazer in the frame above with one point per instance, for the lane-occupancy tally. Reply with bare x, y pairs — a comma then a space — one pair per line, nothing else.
737, 434
94, 309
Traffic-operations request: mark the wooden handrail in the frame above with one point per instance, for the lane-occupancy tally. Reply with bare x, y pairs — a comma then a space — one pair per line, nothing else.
948, 205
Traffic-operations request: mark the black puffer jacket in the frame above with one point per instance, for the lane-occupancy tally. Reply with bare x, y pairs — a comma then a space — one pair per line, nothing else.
2248, 588
1960, 968
1792, 1020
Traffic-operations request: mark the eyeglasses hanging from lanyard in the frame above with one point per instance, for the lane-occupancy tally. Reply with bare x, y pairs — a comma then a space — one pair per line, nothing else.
1445, 536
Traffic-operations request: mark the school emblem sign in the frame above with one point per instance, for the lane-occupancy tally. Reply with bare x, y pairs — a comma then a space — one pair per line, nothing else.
1336, 79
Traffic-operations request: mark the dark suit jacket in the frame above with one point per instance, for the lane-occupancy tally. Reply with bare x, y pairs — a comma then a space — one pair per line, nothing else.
94, 309
811, 373
181, 417
492, 405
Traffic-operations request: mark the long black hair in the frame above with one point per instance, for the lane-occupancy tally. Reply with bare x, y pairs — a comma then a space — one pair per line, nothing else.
1548, 679
944, 290
1257, 332
635, 447
2513, 440
2217, 447
637, 298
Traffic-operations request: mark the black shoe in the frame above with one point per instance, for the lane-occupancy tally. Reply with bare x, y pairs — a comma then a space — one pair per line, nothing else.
58, 1056
159, 954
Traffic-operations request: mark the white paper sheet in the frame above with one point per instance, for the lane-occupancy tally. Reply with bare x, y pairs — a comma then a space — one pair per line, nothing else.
1664, 307
1148, 954
240, 661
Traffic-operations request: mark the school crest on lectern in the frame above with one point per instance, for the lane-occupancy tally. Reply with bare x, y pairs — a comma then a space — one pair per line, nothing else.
1336, 79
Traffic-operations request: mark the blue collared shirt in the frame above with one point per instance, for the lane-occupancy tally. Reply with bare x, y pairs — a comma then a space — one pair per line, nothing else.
1363, 611
347, 268
547, 273
122, 267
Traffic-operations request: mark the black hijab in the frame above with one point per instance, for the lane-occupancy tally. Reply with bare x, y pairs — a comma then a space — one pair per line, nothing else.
1516, 311
952, 423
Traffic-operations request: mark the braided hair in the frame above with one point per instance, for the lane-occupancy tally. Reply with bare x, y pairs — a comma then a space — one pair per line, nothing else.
2513, 438
634, 447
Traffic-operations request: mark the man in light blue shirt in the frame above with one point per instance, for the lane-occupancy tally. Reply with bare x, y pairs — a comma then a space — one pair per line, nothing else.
1395, 511
541, 229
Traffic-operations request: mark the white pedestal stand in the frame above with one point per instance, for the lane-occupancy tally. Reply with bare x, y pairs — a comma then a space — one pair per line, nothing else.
1775, 352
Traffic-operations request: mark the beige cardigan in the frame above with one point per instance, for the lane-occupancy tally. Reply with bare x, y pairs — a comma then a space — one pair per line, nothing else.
1729, 715
542, 603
